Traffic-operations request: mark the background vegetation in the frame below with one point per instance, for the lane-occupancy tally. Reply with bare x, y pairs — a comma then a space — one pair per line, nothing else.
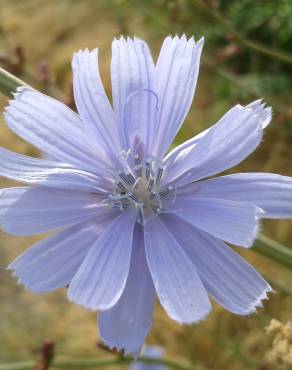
247, 55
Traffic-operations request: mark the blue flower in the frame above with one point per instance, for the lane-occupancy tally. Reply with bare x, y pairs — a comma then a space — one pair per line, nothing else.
133, 223
151, 352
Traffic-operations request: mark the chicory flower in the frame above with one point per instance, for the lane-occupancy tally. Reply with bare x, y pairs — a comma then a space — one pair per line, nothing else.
131, 221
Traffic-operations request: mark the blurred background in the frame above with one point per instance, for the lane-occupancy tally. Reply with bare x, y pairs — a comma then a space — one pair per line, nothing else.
247, 55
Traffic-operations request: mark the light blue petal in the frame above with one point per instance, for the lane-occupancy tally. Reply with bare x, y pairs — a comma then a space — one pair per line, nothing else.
38, 210
177, 71
52, 263
175, 278
230, 280
8, 196
235, 136
234, 222
152, 352
92, 103
270, 192
185, 146
53, 128
126, 325
101, 279
134, 97
30, 170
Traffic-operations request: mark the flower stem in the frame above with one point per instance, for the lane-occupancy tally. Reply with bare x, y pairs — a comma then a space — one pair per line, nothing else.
64, 363
9, 83
273, 250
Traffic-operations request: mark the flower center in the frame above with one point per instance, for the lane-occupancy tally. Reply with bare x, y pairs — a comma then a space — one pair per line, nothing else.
139, 185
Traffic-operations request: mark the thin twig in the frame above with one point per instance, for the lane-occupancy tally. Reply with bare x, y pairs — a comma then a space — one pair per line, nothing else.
64, 363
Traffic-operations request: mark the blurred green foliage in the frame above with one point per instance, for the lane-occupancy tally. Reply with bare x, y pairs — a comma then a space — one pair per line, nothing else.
271, 24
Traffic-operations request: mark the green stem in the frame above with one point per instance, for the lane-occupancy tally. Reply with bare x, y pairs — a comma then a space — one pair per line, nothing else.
63, 363
270, 52
273, 250
9, 83
25, 365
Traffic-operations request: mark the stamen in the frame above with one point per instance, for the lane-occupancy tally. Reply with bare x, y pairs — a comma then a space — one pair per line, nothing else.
148, 170
133, 197
124, 177
131, 178
137, 168
121, 186
138, 185
159, 175
156, 195
150, 185
128, 178
166, 191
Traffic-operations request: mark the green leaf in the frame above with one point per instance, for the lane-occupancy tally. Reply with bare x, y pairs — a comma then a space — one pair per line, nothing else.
9, 83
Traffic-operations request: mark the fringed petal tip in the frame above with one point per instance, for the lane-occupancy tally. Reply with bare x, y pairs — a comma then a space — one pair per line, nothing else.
81, 53
11, 266
262, 110
31, 287
258, 302
17, 95
120, 38
135, 353
125, 39
185, 38
15, 264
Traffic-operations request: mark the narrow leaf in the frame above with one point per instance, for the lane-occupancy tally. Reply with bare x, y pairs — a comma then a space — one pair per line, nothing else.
9, 83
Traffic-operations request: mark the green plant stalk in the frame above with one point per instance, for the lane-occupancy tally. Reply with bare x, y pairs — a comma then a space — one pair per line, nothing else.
9, 83
270, 52
64, 363
273, 250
